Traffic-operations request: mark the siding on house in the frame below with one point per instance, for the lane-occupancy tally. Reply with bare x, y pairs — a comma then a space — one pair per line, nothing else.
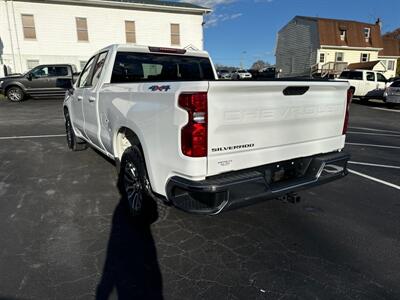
350, 56
297, 48
56, 30
301, 42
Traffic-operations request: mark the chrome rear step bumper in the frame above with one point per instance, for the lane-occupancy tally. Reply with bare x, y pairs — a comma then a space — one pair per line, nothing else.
237, 189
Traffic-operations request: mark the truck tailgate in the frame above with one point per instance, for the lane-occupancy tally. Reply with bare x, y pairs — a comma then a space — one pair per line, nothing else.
257, 123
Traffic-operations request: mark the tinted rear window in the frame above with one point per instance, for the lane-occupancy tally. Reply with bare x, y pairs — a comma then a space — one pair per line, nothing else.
395, 84
351, 75
144, 67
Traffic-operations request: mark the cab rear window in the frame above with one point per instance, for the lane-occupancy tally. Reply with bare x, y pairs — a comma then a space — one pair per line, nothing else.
145, 67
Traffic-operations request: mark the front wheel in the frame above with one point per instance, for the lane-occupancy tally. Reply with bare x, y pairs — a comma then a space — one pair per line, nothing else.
136, 189
15, 94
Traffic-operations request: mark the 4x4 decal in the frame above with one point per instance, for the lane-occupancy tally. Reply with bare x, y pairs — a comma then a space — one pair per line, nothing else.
160, 88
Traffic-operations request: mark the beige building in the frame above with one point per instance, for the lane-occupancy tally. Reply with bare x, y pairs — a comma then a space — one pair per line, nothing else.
325, 47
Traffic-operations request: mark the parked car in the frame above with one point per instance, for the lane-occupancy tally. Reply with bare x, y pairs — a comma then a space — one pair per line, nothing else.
241, 74
224, 74
181, 137
366, 84
392, 79
44, 81
392, 94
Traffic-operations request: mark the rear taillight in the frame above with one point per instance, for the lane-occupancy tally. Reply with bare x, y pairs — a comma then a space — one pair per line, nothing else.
350, 93
194, 133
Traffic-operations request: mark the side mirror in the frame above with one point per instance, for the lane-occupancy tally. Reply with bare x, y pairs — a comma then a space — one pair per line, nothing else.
71, 91
29, 76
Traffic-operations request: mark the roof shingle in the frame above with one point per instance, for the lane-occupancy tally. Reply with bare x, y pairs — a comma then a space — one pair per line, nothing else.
329, 33
391, 47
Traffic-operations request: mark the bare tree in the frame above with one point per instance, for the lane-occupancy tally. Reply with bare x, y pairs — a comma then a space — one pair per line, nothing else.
259, 65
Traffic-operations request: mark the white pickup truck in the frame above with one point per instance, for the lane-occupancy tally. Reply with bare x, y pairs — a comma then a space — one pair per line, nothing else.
366, 84
181, 136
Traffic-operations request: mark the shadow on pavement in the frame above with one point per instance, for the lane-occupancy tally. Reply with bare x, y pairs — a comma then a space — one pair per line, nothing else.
131, 267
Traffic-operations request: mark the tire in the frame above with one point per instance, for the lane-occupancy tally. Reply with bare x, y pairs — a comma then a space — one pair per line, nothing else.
15, 94
136, 190
74, 143
390, 105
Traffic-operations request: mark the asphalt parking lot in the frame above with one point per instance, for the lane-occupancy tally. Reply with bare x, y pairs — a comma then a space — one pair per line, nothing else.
65, 235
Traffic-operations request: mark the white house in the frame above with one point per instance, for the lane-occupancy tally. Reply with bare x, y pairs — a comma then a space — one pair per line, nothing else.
69, 31
325, 47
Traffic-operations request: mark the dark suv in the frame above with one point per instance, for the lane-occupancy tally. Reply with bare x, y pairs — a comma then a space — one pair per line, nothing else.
44, 81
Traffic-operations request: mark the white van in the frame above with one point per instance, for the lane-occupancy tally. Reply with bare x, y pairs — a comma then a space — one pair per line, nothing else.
367, 84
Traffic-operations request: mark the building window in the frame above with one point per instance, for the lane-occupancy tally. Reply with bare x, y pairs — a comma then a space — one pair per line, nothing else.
175, 35
364, 57
28, 24
82, 64
339, 57
82, 29
342, 34
32, 63
390, 65
130, 31
367, 33
322, 58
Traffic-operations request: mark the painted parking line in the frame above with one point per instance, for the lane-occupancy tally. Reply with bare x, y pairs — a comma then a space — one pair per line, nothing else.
373, 165
27, 137
385, 109
374, 179
376, 134
374, 129
373, 145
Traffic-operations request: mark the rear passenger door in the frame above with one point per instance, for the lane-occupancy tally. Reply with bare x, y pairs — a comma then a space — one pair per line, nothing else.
370, 84
90, 101
63, 79
78, 120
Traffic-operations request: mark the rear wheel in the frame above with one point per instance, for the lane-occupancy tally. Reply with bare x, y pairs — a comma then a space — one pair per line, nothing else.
74, 143
390, 105
136, 189
15, 94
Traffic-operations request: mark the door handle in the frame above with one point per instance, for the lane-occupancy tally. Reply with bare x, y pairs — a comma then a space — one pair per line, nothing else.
80, 98
92, 99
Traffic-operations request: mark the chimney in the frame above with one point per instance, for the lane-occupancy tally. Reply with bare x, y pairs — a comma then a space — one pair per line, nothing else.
379, 22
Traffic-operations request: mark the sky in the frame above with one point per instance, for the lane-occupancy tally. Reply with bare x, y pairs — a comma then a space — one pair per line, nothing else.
243, 31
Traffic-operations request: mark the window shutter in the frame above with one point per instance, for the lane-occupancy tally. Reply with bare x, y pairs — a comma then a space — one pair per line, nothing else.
28, 24
130, 31
175, 35
82, 29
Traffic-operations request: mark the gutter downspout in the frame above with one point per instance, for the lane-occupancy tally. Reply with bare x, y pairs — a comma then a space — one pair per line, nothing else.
16, 36
11, 39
